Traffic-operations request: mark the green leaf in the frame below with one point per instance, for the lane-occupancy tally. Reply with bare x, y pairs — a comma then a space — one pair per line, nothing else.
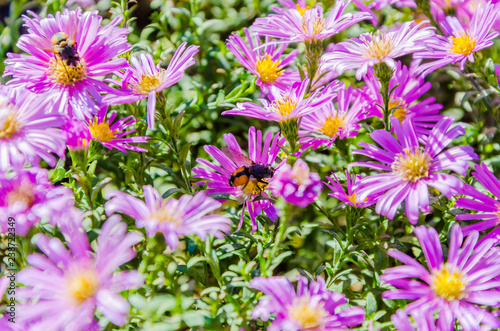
371, 303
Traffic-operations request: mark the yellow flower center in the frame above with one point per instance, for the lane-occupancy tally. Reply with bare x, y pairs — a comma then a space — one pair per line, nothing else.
82, 285
449, 284
332, 126
318, 24
254, 187
378, 47
60, 72
268, 69
463, 45
401, 112
308, 316
352, 198
412, 165
164, 215
101, 131
9, 127
148, 83
301, 10
284, 107
24, 194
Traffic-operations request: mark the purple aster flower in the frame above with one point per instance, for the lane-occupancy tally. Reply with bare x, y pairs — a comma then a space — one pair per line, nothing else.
409, 169
66, 54
423, 318
109, 135
285, 105
173, 218
301, 6
352, 196
465, 11
478, 201
407, 87
64, 288
8, 280
264, 62
311, 307
455, 288
144, 79
77, 134
232, 175
379, 4
462, 43
327, 123
297, 185
370, 49
29, 196
307, 24
27, 133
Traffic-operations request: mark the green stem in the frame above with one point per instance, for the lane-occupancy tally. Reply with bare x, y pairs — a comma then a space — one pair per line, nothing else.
314, 50
182, 166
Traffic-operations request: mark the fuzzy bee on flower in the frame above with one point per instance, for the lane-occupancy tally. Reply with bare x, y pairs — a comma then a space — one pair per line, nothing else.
246, 178
250, 176
64, 47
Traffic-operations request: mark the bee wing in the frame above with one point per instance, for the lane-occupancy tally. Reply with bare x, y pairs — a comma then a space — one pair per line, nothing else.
237, 157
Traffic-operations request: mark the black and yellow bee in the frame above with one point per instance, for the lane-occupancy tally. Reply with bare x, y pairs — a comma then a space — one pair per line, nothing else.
249, 172
65, 48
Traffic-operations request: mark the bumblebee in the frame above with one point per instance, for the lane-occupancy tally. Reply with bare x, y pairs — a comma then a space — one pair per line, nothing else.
64, 47
249, 172
243, 175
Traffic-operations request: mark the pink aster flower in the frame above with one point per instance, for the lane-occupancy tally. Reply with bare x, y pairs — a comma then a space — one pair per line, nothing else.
297, 185
481, 202
311, 307
327, 123
63, 288
110, 135
456, 288
307, 24
300, 5
29, 196
77, 134
465, 11
232, 175
462, 43
173, 218
285, 105
407, 87
8, 319
264, 62
352, 196
370, 49
67, 54
144, 79
27, 133
422, 317
409, 169
379, 4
